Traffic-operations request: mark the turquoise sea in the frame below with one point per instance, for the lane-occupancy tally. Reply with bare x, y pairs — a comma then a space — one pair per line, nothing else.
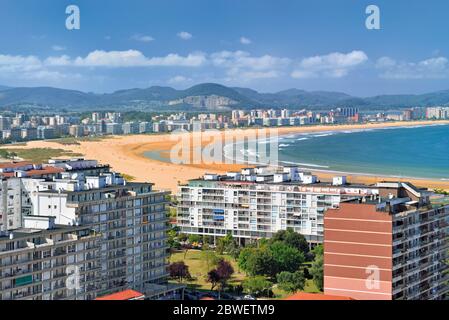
419, 151
406, 152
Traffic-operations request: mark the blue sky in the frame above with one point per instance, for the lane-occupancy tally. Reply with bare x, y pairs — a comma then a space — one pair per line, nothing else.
265, 45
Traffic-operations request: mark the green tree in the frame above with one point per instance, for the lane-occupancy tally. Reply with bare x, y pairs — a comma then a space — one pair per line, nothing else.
293, 239
224, 243
291, 281
172, 234
243, 258
317, 267
194, 238
257, 261
183, 237
285, 258
209, 257
257, 285
207, 239
234, 251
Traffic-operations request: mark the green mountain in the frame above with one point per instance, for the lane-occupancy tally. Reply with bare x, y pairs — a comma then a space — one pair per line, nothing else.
46, 96
206, 95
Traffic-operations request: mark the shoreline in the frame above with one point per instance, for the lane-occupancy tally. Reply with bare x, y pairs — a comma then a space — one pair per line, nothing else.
126, 154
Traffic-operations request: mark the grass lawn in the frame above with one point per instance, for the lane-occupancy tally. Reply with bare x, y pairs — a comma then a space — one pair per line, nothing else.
310, 287
41, 154
198, 269
76, 141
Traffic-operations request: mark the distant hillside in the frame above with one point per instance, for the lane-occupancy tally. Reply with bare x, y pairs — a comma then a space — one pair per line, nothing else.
46, 96
428, 99
205, 96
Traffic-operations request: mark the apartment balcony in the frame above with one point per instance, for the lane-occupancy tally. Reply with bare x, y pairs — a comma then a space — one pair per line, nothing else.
59, 275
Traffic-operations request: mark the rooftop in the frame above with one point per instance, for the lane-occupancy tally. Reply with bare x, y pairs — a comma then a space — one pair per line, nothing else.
123, 295
315, 296
34, 172
25, 233
15, 164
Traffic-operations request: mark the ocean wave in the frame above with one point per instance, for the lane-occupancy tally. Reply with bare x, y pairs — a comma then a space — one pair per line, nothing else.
306, 164
324, 135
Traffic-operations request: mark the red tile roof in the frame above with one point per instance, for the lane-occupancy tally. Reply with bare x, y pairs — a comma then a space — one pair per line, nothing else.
35, 172
14, 164
123, 295
315, 296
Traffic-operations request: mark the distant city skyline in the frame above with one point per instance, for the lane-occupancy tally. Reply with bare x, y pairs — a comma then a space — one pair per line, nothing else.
267, 46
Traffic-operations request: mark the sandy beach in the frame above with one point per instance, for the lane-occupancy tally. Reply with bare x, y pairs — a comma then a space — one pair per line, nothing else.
126, 154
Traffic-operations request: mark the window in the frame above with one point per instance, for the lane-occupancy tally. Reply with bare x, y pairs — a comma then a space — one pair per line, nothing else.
47, 254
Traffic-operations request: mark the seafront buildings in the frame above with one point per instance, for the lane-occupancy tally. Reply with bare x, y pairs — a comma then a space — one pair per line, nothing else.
393, 247
437, 113
384, 241
257, 202
128, 220
25, 127
74, 229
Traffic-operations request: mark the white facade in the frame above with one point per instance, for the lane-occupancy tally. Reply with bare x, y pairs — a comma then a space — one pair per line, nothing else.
253, 210
129, 217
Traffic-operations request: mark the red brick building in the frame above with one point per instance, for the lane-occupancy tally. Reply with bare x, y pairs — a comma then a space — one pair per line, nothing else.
390, 247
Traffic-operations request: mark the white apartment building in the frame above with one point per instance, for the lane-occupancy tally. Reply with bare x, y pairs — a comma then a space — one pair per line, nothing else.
257, 202
130, 217
39, 261
437, 113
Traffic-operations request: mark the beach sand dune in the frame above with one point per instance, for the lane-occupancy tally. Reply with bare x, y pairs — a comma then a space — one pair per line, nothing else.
126, 154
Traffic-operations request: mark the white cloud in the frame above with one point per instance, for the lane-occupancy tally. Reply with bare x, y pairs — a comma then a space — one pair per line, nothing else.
179, 79
20, 62
58, 48
432, 68
252, 75
333, 65
385, 62
243, 59
244, 40
303, 74
129, 58
58, 61
142, 38
229, 66
29, 68
240, 65
184, 35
